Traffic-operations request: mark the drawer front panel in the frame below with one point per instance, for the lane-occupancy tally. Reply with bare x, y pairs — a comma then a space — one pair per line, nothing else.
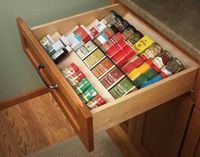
143, 100
78, 115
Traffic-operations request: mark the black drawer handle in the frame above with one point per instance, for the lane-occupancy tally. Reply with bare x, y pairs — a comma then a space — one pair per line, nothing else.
41, 66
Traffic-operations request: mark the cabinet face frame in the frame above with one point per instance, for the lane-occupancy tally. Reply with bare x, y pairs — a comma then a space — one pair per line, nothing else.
191, 146
82, 120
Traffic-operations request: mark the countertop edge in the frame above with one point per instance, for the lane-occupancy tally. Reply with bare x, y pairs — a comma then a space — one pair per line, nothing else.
163, 28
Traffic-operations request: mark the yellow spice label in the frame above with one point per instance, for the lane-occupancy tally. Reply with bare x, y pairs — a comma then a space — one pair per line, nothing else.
94, 58
143, 44
138, 71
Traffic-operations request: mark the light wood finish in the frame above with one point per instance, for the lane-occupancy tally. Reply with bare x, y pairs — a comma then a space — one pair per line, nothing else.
134, 104
4, 104
31, 126
160, 132
121, 139
197, 91
191, 147
63, 26
115, 111
65, 92
112, 1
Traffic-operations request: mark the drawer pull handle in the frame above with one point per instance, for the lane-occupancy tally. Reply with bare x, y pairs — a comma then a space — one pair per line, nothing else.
41, 66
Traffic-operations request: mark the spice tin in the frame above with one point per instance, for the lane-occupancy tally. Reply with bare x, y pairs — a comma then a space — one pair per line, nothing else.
151, 73
94, 58
129, 31
47, 42
161, 60
97, 29
123, 56
110, 18
140, 70
82, 52
89, 94
70, 70
101, 39
64, 40
86, 49
117, 37
106, 46
102, 68
142, 44
75, 41
95, 102
83, 33
132, 65
122, 88
151, 52
108, 32
113, 50
75, 78
90, 46
172, 67
135, 37
120, 23
82, 86
112, 77
153, 80
117, 47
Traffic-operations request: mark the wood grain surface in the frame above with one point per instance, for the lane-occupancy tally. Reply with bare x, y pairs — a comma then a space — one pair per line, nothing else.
31, 126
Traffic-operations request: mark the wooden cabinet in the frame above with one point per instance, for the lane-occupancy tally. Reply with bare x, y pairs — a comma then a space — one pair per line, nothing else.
160, 131
84, 121
191, 146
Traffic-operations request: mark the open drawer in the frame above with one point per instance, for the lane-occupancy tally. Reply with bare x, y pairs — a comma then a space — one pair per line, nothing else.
84, 121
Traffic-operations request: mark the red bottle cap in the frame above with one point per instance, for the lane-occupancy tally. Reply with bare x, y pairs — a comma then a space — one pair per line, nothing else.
99, 100
73, 67
83, 34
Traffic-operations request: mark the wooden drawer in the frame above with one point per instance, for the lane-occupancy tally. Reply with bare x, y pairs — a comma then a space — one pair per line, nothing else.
86, 122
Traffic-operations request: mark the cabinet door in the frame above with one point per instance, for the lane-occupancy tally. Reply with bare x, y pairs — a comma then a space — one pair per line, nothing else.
160, 132
191, 147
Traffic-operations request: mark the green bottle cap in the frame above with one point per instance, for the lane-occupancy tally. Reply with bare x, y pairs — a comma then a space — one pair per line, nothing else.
82, 86
89, 94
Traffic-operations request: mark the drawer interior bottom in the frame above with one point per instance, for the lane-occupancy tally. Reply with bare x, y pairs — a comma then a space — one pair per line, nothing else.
119, 110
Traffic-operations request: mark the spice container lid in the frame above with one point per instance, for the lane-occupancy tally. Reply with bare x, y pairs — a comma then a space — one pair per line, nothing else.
143, 44
82, 86
151, 52
161, 60
89, 94
136, 36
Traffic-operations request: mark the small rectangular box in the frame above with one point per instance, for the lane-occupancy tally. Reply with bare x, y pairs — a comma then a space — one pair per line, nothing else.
140, 70
112, 78
143, 44
94, 58
102, 68
86, 49
122, 88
